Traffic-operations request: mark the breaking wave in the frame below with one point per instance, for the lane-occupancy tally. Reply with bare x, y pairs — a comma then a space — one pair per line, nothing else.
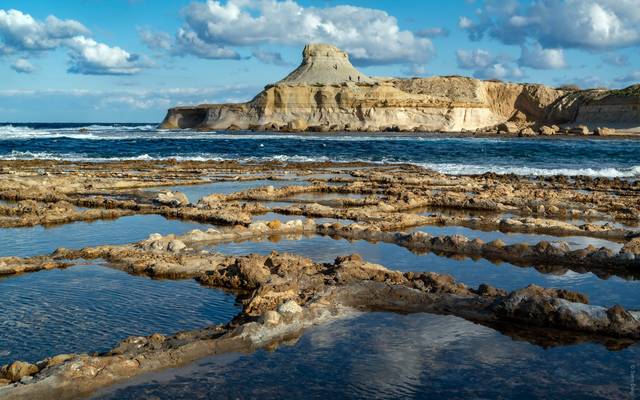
448, 168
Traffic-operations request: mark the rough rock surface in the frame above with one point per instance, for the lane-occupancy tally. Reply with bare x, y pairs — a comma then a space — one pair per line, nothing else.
326, 93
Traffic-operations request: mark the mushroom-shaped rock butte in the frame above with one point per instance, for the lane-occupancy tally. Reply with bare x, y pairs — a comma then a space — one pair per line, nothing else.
326, 93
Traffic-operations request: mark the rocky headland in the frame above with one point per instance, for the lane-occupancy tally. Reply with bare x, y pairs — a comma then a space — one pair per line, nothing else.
327, 94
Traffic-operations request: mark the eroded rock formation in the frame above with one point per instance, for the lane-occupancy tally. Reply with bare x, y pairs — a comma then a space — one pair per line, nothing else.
326, 93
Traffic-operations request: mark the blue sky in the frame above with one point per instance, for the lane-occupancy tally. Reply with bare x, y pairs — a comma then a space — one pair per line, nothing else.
128, 60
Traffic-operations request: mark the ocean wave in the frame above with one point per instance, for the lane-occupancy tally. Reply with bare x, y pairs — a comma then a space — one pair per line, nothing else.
466, 169
89, 132
143, 132
448, 168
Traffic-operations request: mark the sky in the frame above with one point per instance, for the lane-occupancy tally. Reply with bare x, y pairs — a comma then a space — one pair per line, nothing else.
130, 60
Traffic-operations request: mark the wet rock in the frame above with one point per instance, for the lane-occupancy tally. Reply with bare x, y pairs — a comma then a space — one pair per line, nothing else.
172, 199
270, 318
176, 246
17, 370
289, 308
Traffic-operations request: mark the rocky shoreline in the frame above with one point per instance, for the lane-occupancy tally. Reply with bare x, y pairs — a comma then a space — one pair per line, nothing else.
327, 94
284, 294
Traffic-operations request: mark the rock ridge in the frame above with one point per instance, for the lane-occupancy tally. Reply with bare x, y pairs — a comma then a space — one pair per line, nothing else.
328, 94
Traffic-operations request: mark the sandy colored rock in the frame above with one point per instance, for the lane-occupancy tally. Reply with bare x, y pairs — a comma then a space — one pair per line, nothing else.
603, 131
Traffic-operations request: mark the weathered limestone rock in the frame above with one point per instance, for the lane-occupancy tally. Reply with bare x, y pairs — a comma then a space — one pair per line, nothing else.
527, 132
603, 131
173, 199
547, 130
327, 94
18, 370
508, 127
579, 130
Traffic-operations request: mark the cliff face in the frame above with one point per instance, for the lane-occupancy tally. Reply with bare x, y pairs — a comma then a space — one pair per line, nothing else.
326, 93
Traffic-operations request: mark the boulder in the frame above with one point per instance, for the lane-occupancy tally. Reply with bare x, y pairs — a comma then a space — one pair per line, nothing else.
527, 132
580, 130
603, 131
547, 130
508, 127
297, 125
18, 370
172, 199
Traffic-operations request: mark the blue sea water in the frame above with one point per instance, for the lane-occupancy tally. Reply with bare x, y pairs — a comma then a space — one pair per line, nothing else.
539, 156
374, 355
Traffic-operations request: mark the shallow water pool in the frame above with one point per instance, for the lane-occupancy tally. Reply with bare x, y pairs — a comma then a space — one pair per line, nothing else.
39, 240
607, 292
574, 242
196, 192
91, 308
382, 355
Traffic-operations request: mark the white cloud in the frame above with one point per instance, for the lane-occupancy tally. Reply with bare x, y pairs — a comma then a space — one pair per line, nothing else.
93, 58
433, 32
22, 66
212, 29
21, 33
124, 105
155, 40
188, 42
487, 66
474, 59
269, 57
539, 58
583, 24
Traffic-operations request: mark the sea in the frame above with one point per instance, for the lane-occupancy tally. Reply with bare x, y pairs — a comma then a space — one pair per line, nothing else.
596, 157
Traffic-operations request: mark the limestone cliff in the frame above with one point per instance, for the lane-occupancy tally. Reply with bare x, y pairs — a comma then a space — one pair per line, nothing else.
326, 93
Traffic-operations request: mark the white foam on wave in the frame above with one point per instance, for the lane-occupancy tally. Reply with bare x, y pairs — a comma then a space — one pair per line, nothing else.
89, 132
466, 169
448, 168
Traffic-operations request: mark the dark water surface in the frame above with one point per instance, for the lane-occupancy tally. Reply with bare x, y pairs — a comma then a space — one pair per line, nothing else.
609, 157
381, 355
39, 240
605, 292
91, 308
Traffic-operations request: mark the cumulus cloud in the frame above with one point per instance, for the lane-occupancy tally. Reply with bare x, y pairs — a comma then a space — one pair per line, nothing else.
269, 57
22, 66
155, 40
582, 24
214, 29
123, 105
21, 33
539, 58
433, 32
92, 58
487, 66
188, 42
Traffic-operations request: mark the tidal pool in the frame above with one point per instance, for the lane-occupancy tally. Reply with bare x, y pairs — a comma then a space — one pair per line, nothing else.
39, 240
195, 192
383, 355
606, 292
270, 216
91, 308
574, 242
